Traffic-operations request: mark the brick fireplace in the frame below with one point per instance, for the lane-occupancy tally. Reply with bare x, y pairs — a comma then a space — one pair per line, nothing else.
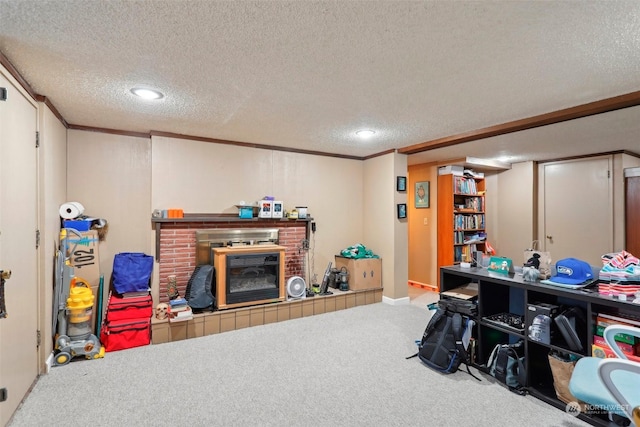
176, 245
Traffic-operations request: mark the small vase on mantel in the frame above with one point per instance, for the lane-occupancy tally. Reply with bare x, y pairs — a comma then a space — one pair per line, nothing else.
172, 287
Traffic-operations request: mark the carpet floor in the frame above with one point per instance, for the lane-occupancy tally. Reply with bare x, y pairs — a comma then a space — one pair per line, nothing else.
344, 368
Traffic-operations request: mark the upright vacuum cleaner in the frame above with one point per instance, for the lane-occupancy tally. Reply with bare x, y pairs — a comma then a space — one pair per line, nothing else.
73, 306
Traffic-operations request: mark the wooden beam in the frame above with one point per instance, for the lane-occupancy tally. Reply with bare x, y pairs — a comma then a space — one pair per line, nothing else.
597, 107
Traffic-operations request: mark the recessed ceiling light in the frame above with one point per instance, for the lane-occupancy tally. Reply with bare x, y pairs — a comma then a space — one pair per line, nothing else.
365, 133
147, 93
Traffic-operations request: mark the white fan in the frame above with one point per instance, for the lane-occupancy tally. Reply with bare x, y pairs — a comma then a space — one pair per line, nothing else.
296, 288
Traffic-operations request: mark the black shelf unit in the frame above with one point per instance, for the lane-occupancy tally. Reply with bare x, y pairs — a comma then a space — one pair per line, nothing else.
499, 293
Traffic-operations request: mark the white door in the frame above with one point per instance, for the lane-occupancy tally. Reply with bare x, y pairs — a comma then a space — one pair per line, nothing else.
18, 253
577, 218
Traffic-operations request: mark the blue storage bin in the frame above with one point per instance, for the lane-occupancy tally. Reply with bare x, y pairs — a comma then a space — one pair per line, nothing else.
246, 212
80, 225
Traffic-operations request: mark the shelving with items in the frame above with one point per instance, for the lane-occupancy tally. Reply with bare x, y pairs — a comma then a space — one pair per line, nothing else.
461, 218
499, 298
628, 344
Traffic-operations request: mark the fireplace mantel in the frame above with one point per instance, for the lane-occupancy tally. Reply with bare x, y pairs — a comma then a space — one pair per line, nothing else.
219, 219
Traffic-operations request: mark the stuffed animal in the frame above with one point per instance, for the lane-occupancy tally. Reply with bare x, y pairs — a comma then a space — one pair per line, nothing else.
534, 261
530, 274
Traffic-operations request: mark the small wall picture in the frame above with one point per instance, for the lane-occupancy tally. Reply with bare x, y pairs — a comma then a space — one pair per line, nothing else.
402, 210
422, 194
401, 183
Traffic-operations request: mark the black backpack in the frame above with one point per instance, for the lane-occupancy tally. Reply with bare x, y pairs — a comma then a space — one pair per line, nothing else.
199, 292
506, 364
441, 347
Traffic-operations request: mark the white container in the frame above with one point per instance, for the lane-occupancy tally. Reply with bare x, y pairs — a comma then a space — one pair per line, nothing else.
277, 209
450, 170
302, 212
266, 208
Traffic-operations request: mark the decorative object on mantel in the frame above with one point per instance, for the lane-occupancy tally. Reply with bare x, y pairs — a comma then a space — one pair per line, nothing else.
167, 213
302, 212
172, 287
247, 211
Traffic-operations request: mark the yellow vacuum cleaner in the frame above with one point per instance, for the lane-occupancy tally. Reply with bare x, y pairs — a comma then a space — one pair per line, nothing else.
73, 307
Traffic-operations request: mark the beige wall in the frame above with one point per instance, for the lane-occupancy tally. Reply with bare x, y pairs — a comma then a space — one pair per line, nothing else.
111, 176
512, 210
136, 175
52, 175
202, 177
384, 233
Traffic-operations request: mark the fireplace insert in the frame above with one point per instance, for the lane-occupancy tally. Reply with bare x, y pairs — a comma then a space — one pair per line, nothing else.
252, 277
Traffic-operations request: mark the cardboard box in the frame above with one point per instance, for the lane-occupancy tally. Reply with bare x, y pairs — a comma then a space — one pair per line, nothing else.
84, 257
364, 273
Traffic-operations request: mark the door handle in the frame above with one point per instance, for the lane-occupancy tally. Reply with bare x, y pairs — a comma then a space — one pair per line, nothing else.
4, 275
550, 237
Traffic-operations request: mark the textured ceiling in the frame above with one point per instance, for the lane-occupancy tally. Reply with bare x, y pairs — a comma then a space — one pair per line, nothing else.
308, 74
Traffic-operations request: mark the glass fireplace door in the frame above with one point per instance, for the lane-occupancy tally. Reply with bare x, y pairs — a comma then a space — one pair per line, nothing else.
252, 277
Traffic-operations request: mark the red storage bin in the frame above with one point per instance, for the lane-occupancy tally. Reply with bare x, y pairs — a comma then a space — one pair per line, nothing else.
129, 308
123, 334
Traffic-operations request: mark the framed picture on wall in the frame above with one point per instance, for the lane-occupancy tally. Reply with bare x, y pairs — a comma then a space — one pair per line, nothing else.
422, 194
402, 210
401, 183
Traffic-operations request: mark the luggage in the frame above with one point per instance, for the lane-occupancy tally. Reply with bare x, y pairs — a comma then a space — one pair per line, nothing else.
129, 308
127, 333
127, 322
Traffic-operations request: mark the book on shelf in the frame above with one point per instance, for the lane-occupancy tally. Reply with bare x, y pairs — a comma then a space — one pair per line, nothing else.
620, 319
135, 294
178, 308
177, 301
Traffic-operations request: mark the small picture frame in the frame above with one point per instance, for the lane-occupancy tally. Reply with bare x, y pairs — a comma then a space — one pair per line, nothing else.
401, 183
422, 194
402, 210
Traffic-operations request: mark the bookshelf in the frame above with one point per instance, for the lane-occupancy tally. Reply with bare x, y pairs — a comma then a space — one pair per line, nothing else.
461, 218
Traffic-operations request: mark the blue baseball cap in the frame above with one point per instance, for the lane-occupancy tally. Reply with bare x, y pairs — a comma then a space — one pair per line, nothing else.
571, 271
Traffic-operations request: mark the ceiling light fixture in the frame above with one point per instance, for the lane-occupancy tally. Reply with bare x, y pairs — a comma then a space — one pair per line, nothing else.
145, 93
365, 133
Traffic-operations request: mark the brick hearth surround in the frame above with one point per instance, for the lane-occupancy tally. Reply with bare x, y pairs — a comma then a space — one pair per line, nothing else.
178, 247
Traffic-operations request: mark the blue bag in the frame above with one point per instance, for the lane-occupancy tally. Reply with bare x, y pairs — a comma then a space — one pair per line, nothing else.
132, 272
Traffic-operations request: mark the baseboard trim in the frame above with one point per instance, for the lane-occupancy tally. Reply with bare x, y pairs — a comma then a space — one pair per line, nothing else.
49, 362
397, 301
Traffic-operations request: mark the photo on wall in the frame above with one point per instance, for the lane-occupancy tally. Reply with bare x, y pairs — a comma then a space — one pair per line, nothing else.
422, 194
402, 210
401, 183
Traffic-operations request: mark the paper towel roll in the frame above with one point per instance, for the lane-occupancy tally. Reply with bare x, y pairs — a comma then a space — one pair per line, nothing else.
71, 210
